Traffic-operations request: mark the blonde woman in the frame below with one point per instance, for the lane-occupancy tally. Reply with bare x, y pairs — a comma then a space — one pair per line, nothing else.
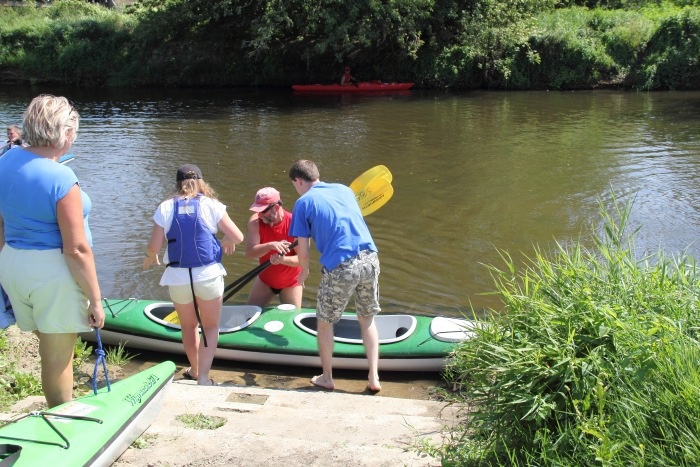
46, 264
188, 222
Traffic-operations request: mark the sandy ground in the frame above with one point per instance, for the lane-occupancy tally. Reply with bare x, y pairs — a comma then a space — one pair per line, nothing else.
300, 425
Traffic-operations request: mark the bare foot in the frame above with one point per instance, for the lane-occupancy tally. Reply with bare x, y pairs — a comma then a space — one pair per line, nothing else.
323, 382
374, 385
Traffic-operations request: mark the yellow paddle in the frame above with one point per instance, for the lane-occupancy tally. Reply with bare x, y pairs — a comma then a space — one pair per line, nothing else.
378, 171
374, 195
372, 190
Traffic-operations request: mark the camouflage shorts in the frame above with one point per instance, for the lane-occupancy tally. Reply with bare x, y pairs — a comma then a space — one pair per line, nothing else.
359, 276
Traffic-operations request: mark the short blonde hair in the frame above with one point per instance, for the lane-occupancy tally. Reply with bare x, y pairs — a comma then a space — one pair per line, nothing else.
47, 121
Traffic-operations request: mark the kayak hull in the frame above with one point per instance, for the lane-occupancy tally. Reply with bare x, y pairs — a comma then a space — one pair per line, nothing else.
118, 416
277, 335
363, 86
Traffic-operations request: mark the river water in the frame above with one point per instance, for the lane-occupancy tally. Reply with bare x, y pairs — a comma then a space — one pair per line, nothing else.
473, 173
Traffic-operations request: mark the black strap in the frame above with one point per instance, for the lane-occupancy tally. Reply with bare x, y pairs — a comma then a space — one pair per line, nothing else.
196, 309
9, 453
45, 416
241, 282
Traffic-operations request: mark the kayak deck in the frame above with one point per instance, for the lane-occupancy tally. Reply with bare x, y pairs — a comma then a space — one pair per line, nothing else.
94, 429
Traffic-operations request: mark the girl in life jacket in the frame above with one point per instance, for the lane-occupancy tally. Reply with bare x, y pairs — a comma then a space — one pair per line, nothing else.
189, 222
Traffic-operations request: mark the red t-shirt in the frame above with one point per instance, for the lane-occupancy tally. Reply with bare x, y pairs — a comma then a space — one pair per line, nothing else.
278, 276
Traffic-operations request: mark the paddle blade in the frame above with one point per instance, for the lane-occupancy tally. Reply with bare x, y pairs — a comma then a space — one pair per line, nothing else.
375, 195
172, 318
378, 171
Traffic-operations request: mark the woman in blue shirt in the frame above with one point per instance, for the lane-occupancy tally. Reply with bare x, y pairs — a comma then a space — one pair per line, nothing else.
46, 262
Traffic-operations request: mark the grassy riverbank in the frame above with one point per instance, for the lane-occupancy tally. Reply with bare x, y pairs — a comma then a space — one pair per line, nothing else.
593, 361
532, 44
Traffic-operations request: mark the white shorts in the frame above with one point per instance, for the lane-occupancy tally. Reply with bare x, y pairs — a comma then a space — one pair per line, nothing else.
43, 292
208, 289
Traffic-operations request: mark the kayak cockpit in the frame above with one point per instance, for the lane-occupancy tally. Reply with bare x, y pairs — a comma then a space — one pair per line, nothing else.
233, 317
391, 328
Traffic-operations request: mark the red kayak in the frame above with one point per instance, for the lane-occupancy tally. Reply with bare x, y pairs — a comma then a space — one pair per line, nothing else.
363, 86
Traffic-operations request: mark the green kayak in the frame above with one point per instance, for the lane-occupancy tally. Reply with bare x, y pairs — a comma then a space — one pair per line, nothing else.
91, 430
287, 336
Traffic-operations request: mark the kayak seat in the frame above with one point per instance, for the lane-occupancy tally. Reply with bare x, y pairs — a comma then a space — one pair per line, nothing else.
233, 317
391, 328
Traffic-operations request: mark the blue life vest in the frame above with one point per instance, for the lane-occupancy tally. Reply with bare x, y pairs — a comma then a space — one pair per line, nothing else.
7, 316
190, 243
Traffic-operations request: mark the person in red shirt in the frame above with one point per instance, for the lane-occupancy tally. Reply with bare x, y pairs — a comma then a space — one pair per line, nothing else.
268, 238
347, 78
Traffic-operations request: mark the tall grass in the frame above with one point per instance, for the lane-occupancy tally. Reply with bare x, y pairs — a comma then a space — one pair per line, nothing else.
593, 360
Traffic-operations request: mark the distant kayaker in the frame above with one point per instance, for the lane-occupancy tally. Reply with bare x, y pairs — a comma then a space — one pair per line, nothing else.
330, 214
347, 79
188, 222
47, 265
268, 239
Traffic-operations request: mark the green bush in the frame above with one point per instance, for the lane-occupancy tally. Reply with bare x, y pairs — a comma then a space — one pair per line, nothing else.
69, 42
580, 48
671, 60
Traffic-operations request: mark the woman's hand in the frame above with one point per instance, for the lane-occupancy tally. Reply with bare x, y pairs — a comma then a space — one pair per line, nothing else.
228, 245
150, 260
96, 315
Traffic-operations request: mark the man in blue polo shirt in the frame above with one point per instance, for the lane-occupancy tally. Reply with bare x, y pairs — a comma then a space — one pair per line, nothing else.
329, 213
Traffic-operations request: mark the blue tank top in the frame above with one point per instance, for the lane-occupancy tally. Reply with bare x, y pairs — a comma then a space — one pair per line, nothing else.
190, 243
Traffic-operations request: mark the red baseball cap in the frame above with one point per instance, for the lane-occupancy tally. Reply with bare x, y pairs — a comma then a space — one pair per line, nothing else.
264, 198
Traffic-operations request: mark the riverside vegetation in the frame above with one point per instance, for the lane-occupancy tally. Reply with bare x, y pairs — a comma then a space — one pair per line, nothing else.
438, 44
592, 361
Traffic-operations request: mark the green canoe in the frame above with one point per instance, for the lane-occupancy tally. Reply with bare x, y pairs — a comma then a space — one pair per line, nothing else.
91, 430
287, 336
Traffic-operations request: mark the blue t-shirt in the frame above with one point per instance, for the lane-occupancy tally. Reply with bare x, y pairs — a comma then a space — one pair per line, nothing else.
329, 214
31, 187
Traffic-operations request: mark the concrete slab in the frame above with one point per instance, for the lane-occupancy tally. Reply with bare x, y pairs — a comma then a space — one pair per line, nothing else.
266, 427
